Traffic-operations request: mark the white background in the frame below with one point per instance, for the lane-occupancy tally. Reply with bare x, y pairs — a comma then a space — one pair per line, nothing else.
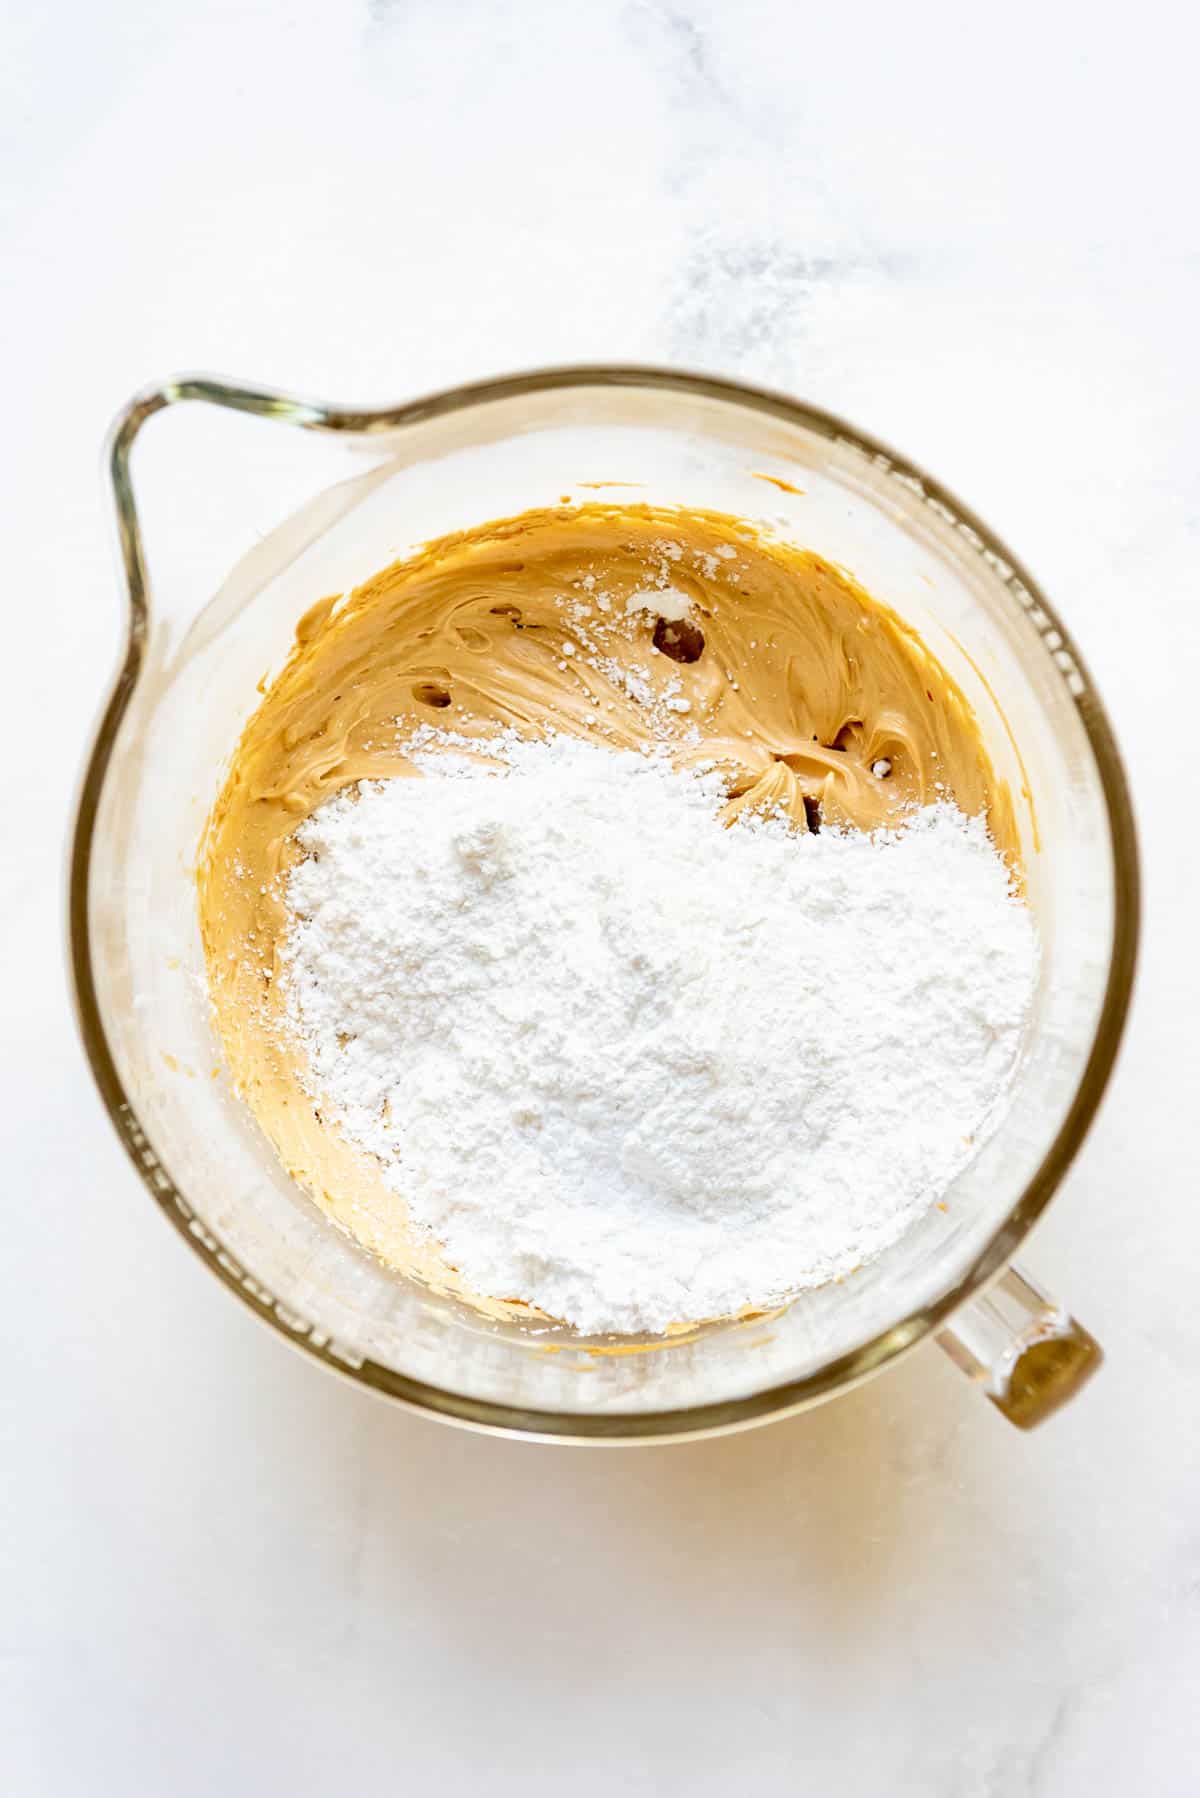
976, 233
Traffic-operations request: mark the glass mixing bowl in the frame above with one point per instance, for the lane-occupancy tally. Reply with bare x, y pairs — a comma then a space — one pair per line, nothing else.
193, 660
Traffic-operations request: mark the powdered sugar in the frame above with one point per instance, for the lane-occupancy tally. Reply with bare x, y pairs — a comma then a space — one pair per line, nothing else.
633, 1067
660, 602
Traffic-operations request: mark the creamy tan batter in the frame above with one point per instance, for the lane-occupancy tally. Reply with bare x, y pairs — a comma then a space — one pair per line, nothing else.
626, 624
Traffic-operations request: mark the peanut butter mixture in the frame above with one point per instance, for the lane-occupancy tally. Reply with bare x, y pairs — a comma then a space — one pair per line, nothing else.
625, 624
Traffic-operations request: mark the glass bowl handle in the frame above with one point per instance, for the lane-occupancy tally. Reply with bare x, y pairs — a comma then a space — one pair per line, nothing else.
1028, 1354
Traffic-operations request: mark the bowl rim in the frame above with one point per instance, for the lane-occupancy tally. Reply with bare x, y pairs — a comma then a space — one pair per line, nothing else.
714, 1418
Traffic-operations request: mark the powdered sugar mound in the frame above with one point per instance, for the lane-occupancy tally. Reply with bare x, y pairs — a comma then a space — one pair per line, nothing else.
633, 1067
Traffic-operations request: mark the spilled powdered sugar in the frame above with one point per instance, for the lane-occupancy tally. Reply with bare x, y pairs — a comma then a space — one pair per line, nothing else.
630, 1066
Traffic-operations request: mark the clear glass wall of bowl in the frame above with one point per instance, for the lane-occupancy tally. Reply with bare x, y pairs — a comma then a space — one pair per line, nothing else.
219, 623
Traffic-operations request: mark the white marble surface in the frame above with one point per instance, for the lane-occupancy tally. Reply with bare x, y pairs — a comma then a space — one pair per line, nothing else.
221, 1570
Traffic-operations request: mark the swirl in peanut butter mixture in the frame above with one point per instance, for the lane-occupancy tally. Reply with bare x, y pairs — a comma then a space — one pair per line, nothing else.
627, 625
